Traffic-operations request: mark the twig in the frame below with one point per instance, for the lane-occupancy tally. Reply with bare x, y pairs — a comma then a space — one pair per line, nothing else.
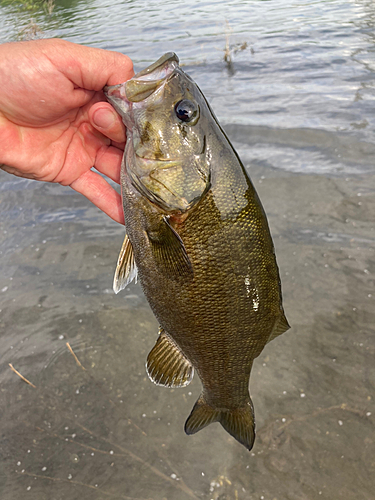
75, 357
21, 376
49, 6
30, 31
227, 56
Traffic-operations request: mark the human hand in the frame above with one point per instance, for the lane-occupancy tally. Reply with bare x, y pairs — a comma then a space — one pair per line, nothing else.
55, 124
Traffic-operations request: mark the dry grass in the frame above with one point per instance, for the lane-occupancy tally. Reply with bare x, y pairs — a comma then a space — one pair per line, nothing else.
21, 376
231, 49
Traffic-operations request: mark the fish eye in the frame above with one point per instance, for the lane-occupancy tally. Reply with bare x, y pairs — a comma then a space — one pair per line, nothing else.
186, 110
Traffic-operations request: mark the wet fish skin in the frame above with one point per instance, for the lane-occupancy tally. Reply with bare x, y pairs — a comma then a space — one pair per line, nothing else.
198, 237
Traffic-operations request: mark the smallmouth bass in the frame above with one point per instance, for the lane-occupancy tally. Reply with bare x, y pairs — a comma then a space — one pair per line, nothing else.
198, 239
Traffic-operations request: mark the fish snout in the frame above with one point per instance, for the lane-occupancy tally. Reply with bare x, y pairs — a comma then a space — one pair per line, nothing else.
117, 97
143, 84
147, 81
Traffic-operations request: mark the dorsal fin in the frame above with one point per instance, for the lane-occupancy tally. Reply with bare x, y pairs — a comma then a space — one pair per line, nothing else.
280, 327
126, 269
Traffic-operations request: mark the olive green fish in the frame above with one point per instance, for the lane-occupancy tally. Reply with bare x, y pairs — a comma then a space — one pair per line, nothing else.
197, 238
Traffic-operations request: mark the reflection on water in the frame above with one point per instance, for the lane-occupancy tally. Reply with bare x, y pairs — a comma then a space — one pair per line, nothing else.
299, 108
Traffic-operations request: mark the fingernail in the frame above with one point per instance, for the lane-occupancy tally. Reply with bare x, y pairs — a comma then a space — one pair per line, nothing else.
104, 118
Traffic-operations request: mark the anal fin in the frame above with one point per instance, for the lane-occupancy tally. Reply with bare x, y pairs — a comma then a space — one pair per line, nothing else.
166, 365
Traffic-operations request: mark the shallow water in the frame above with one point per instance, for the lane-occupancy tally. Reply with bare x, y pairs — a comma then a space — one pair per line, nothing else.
298, 104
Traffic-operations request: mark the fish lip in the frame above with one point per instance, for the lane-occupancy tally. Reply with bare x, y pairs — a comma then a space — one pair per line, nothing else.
116, 96
166, 61
144, 83
156, 159
161, 160
110, 91
166, 160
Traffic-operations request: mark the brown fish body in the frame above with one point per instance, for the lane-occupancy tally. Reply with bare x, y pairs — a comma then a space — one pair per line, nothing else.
217, 296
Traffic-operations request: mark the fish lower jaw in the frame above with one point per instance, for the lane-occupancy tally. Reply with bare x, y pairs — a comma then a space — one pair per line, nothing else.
156, 159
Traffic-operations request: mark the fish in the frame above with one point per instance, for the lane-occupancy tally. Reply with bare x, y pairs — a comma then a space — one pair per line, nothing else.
198, 240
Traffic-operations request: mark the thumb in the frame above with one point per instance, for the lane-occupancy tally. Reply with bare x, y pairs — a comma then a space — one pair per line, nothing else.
105, 119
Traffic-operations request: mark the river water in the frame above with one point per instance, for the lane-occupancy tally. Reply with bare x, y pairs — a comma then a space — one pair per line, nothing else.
298, 104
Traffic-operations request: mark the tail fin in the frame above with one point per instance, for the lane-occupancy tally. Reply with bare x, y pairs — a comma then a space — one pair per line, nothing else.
239, 423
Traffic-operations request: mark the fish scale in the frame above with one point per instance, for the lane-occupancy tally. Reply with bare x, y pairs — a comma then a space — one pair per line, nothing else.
198, 237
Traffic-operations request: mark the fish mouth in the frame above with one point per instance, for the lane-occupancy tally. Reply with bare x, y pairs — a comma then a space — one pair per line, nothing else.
144, 83
156, 159
160, 68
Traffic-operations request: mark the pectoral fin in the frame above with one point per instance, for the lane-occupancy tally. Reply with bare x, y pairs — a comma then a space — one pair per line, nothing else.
169, 250
166, 365
126, 269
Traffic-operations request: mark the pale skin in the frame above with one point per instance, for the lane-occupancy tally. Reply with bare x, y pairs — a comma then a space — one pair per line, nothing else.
55, 124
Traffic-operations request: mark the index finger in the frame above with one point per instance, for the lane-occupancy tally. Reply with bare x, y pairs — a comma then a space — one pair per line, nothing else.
108, 162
